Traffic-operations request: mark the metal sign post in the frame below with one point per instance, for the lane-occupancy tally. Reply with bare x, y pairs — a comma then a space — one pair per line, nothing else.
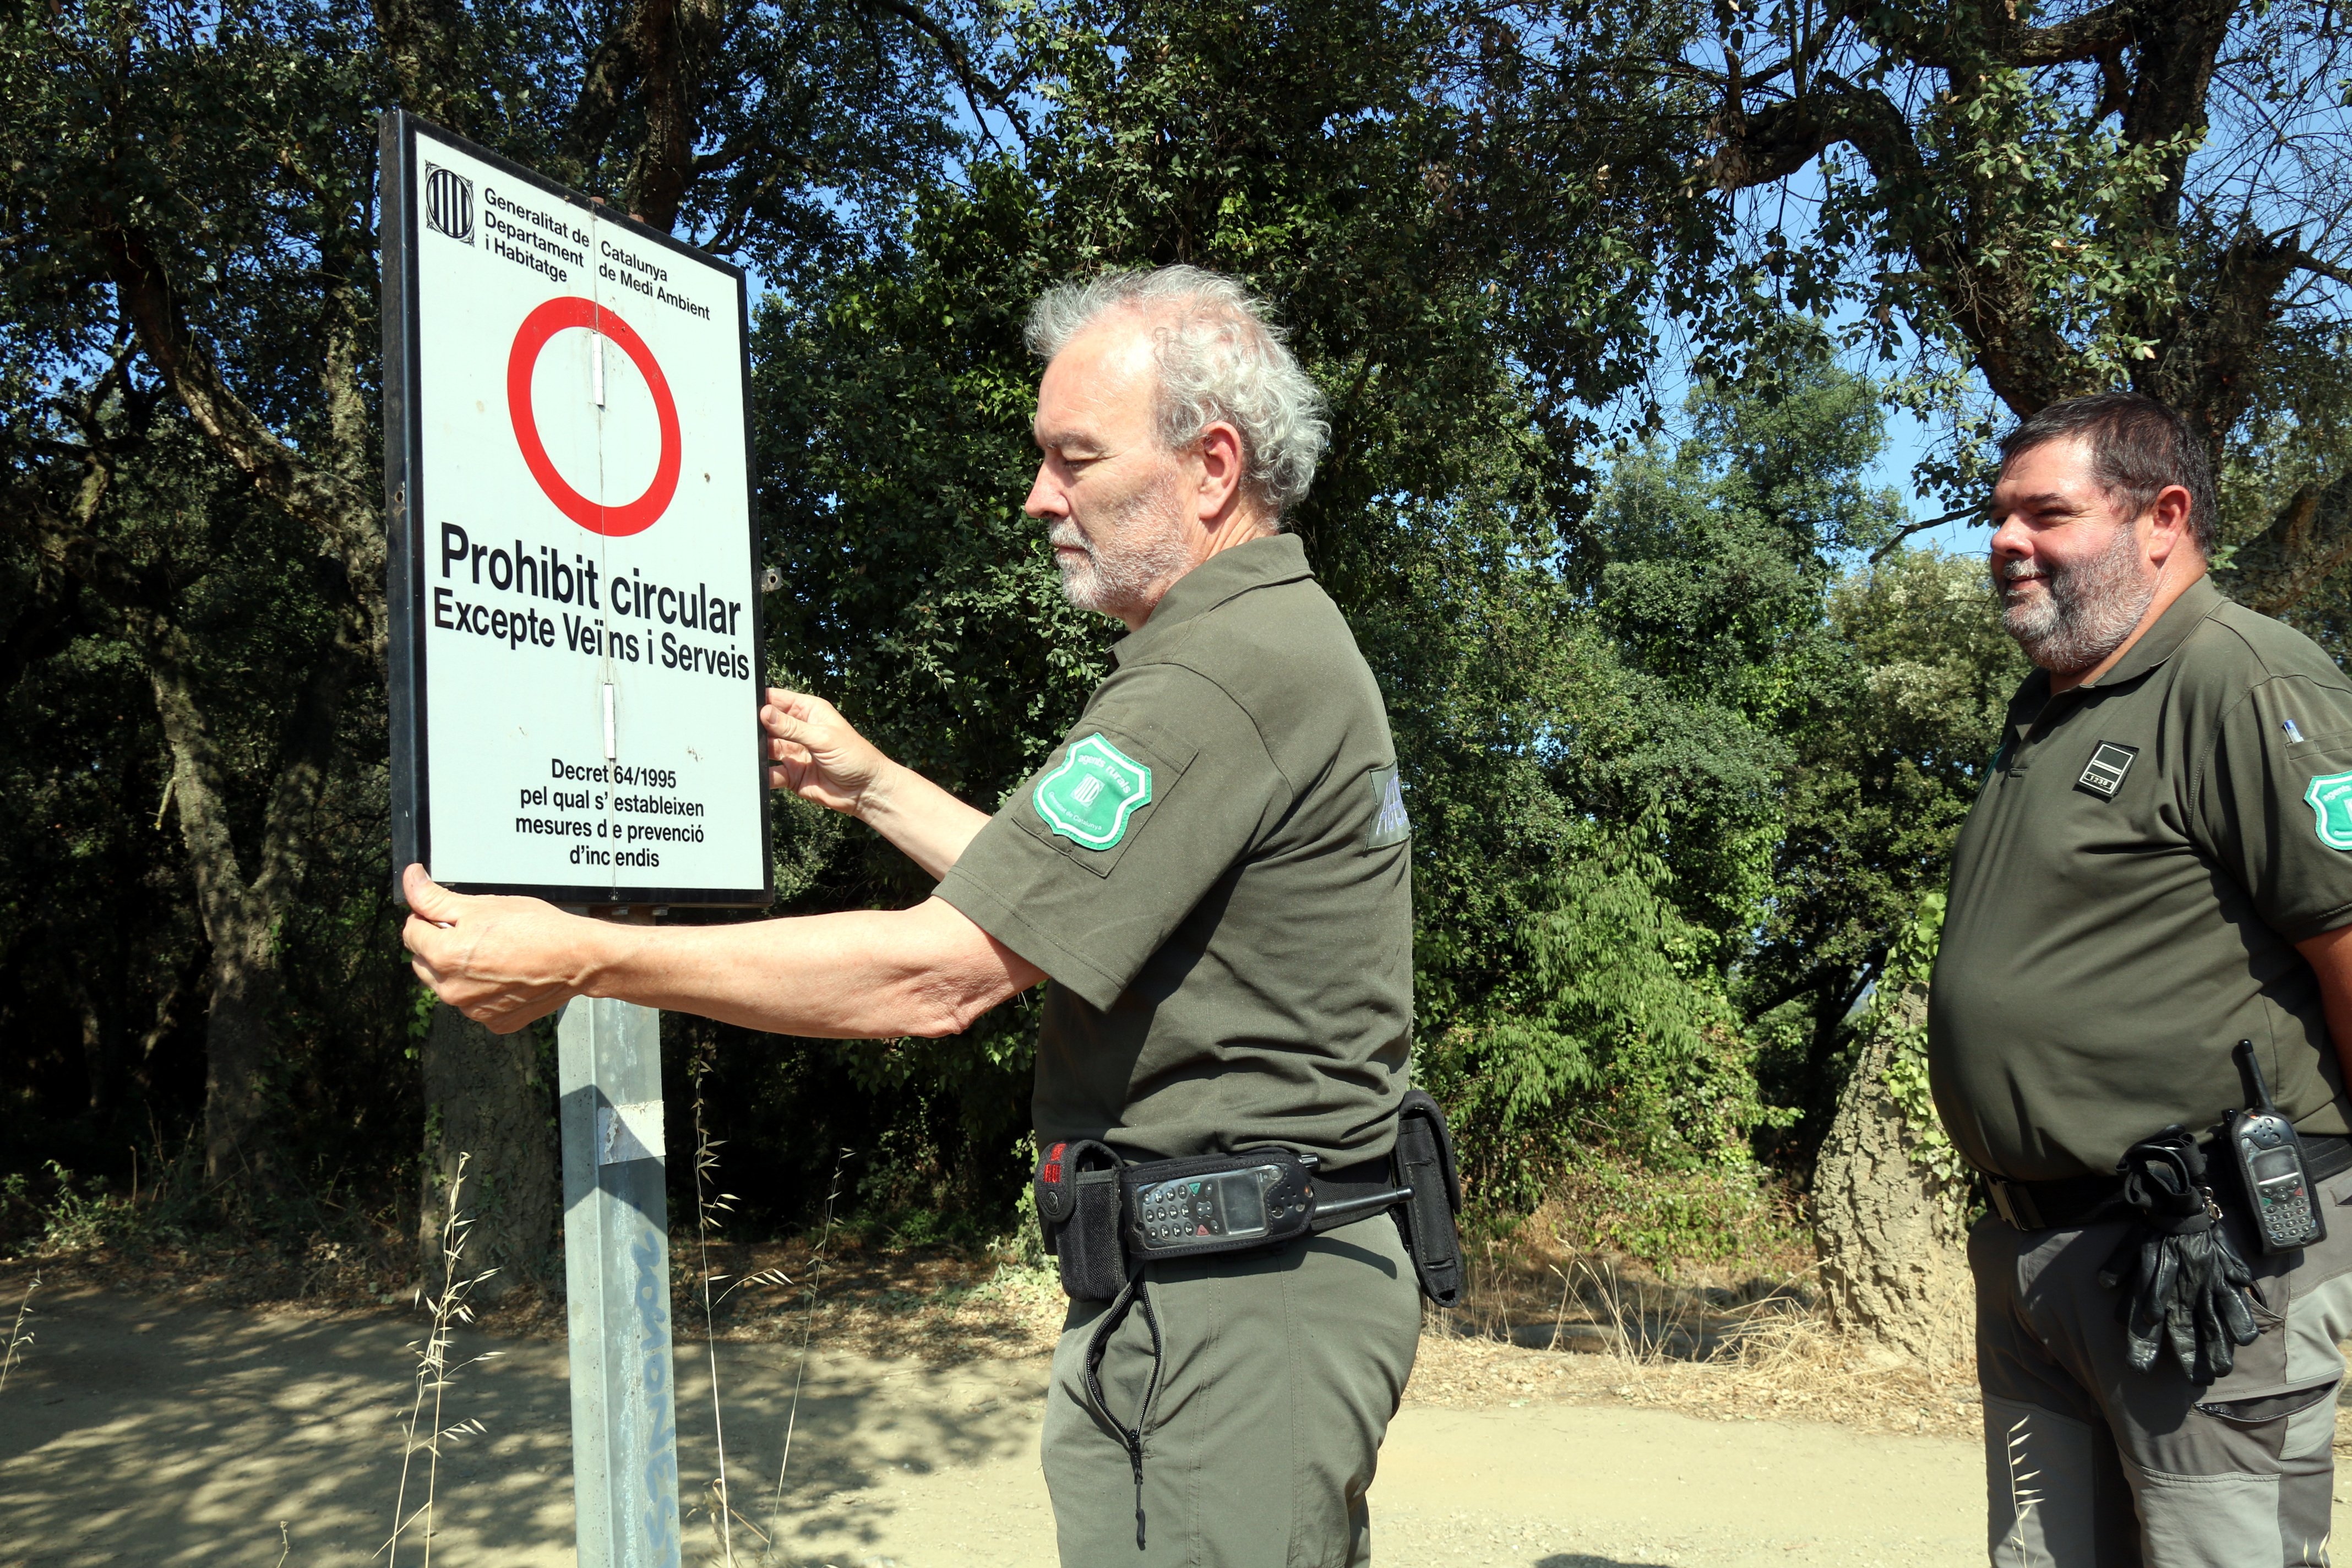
616, 1264
575, 668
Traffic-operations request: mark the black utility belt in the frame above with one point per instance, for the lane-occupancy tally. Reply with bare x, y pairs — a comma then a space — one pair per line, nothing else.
2075, 1201
1104, 1217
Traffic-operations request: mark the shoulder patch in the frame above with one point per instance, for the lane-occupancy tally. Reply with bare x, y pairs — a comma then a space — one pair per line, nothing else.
1090, 798
2330, 799
1389, 823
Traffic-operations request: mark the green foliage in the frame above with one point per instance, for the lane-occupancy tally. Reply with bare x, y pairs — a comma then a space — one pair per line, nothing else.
1674, 1219
1885, 769
85, 1221
1713, 563
1614, 1035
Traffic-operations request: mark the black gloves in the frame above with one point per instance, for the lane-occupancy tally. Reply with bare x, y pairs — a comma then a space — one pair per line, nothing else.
2178, 1270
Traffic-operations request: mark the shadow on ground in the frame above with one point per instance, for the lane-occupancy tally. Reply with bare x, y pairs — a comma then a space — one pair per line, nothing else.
135, 1433
144, 1433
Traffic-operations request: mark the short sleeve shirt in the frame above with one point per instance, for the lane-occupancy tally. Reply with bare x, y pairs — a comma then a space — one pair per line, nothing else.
2127, 890
1214, 867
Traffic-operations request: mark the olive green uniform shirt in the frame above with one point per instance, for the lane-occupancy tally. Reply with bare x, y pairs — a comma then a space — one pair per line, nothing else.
2126, 892
1214, 867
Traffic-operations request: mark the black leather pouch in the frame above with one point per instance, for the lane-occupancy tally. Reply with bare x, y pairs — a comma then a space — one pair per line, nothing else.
1078, 1207
1424, 1161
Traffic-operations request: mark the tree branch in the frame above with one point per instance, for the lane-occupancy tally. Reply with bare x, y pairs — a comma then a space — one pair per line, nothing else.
329, 502
1777, 140
974, 86
1887, 549
2304, 259
2086, 37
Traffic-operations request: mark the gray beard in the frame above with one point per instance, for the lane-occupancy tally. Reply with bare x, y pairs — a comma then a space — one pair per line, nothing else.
1141, 548
2085, 612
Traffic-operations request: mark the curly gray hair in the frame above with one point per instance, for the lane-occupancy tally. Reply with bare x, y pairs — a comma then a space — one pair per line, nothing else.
1218, 358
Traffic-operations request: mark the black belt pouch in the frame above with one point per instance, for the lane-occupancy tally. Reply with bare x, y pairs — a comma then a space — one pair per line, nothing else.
1424, 1161
1078, 1209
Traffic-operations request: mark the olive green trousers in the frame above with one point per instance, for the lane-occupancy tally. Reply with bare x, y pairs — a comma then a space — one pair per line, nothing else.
2089, 1464
1279, 1373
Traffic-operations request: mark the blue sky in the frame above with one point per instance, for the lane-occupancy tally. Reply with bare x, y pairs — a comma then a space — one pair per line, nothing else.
1908, 438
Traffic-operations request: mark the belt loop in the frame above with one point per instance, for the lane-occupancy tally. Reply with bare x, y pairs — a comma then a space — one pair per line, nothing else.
2014, 1203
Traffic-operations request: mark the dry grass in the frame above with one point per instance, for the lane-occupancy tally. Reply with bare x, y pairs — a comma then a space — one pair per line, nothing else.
1792, 1369
436, 1372
1623, 1333
1740, 1340
19, 1336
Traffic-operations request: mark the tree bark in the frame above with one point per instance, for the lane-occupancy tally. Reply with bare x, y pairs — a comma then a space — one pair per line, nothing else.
489, 1101
240, 915
2306, 543
1894, 1262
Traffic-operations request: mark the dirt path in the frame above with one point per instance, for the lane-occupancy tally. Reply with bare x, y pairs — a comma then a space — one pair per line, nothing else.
138, 1433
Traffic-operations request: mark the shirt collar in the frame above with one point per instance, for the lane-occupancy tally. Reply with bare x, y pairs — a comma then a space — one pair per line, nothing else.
2183, 615
1279, 558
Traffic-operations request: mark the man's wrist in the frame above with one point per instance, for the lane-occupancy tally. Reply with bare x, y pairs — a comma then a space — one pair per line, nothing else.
603, 953
877, 802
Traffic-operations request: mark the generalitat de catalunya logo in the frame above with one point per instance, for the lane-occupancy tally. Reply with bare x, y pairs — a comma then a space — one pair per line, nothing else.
448, 203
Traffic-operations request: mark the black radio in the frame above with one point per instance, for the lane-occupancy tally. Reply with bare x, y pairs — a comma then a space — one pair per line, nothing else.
2272, 1166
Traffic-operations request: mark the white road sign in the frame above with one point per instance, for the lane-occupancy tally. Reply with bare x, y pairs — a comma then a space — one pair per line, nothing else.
576, 665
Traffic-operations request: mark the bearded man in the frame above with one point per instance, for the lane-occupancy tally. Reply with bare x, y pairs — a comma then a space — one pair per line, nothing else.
1213, 869
2146, 934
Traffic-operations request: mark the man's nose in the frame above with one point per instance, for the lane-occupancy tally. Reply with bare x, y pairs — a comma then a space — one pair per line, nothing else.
2011, 539
1045, 497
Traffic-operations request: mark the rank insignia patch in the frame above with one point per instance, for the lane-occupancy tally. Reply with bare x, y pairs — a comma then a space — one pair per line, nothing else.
2103, 773
2330, 799
1090, 798
1389, 823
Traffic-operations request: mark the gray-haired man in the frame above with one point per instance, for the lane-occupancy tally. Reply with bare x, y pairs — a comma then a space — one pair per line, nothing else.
1213, 869
2159, 866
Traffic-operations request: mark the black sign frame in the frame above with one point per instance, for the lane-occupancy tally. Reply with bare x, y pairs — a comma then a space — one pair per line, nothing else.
405, 592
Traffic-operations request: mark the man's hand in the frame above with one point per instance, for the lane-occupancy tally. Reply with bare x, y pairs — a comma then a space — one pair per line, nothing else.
502, 962
817, 754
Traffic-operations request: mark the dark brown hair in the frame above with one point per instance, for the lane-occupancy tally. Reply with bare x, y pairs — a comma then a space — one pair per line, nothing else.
2139, 447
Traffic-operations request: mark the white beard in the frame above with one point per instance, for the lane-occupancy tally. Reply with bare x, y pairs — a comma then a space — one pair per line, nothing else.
2084, 612
1135, 553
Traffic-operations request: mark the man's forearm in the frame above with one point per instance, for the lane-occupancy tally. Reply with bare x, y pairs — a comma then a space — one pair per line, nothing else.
861, 974
2330, 957
930, 826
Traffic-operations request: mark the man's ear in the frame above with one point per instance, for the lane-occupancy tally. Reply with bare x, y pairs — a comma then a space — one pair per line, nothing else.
1222, 463
2168, 516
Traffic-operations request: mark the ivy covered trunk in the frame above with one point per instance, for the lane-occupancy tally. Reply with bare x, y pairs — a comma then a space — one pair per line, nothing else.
1890, 1194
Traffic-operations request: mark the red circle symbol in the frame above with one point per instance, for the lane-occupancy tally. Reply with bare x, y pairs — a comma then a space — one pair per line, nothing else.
572, 311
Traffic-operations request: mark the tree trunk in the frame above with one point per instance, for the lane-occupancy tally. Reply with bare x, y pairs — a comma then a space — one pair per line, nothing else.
240, 1054
1894, 1259
240, 915
489, 1101
97, 1059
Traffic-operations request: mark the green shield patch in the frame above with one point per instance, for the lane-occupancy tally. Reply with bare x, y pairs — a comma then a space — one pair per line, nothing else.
2330, 799
1088, 799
